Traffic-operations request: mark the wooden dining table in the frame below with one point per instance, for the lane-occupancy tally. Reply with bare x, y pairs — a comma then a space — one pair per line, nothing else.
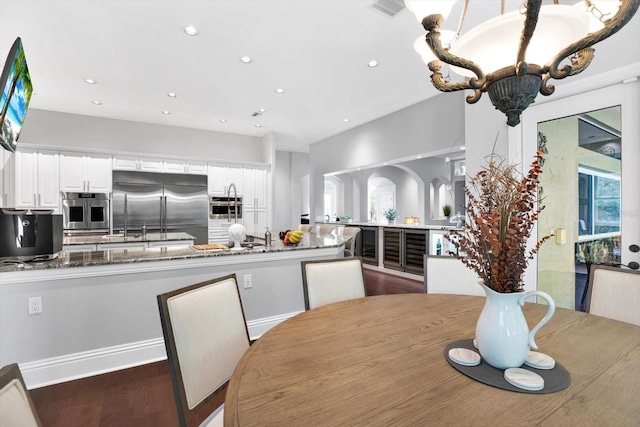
380, 361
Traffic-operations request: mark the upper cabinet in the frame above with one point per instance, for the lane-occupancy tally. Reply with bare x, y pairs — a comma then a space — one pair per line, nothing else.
222, 176
130, 163
188, 167
82, 173
32, 179
151, 164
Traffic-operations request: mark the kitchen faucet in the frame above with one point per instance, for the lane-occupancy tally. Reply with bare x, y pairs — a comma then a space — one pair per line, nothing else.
235, 201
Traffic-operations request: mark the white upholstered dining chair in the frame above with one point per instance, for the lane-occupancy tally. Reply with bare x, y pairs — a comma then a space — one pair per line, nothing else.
305, 227
205, 334
448, 275
350, 233
334, 280
324, 230
16, 406
614, 293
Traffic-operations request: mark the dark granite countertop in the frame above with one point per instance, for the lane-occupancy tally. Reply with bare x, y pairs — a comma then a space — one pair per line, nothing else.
135, 255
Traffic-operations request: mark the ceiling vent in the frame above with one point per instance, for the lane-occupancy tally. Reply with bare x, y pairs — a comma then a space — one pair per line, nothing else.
389, 7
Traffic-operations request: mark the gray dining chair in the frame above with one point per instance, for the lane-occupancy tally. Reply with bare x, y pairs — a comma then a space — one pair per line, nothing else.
205, 334
16, 406
614, 292
448, 275
328, 281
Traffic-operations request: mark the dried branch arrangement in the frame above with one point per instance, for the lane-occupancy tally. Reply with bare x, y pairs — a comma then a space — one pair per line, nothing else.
502, 208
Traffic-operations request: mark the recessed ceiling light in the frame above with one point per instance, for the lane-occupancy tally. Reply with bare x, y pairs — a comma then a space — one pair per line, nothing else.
171, 95
190, 30
345, 120
258, 125
262, 110
96, 102
90, 81
385, 164
372, 64
280, 91
463, 148
447, 159
166, 112
419, 157
223, 120
245, 59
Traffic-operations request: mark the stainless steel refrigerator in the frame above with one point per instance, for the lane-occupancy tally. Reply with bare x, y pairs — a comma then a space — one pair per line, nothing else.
162, 202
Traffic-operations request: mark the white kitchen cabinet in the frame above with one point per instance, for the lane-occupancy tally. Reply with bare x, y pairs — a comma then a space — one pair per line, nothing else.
83, 173
255, 188
32, 179
219, 232
143, 164
254, 213
255, 221
187, 167
221, 176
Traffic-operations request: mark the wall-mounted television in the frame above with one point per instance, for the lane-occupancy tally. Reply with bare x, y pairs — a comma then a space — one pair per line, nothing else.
15, 83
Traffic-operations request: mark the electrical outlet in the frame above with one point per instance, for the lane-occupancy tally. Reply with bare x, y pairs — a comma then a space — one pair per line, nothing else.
247, 281
35, 305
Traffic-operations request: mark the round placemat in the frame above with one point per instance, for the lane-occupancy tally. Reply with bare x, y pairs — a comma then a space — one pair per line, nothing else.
555, 379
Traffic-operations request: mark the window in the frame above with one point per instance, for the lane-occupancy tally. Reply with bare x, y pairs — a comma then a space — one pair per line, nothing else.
598, 204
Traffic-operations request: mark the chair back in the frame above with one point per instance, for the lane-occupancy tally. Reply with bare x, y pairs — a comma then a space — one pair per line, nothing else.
328, 281
16, 406
350, 233
205, 335
448, 275
324, 230
305, 227
614, 293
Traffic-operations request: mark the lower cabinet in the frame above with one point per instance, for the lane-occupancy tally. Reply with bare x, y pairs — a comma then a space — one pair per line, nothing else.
404, 249
367, 245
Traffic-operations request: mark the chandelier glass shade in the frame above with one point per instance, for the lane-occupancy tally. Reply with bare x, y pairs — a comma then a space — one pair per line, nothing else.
513, 56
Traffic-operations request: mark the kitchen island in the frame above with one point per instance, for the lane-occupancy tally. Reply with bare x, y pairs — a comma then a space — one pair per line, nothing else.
399, 248
99, 309
100, 242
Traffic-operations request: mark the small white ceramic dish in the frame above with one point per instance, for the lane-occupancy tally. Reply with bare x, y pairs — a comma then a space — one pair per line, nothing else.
524, 379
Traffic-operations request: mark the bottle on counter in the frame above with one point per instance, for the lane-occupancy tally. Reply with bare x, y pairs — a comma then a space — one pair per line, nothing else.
267, 237
144, 230
438, 247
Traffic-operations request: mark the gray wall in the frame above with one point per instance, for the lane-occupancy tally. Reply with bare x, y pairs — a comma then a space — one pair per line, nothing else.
406, 133
96, 134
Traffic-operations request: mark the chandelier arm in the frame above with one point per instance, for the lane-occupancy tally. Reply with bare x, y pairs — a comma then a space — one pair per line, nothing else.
627, 9
531, 20
433, 40
440, 83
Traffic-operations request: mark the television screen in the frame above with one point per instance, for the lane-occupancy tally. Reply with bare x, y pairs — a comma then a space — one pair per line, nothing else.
16, 94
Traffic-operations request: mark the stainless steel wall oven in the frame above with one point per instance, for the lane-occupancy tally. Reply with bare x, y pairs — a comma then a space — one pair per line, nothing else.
85, 212
221, 207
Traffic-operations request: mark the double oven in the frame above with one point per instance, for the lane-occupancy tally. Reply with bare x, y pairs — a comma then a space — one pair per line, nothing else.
221, 207
85, 213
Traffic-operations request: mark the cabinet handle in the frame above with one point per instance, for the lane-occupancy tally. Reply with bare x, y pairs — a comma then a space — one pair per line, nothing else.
39, 199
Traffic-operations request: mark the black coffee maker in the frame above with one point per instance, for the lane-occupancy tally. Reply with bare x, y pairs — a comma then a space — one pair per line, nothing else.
29, 234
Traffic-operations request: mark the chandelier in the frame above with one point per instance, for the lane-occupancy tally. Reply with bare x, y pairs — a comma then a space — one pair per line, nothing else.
505, 58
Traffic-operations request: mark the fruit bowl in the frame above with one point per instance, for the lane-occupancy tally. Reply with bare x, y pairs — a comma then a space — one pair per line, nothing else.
291, 237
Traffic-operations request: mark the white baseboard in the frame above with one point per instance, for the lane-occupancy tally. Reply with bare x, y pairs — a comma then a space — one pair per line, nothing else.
70, 367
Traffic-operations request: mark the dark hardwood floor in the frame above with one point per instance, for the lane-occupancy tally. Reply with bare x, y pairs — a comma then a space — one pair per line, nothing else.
142, 396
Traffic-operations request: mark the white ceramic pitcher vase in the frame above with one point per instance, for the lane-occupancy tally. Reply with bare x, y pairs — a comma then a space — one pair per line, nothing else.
502, 333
